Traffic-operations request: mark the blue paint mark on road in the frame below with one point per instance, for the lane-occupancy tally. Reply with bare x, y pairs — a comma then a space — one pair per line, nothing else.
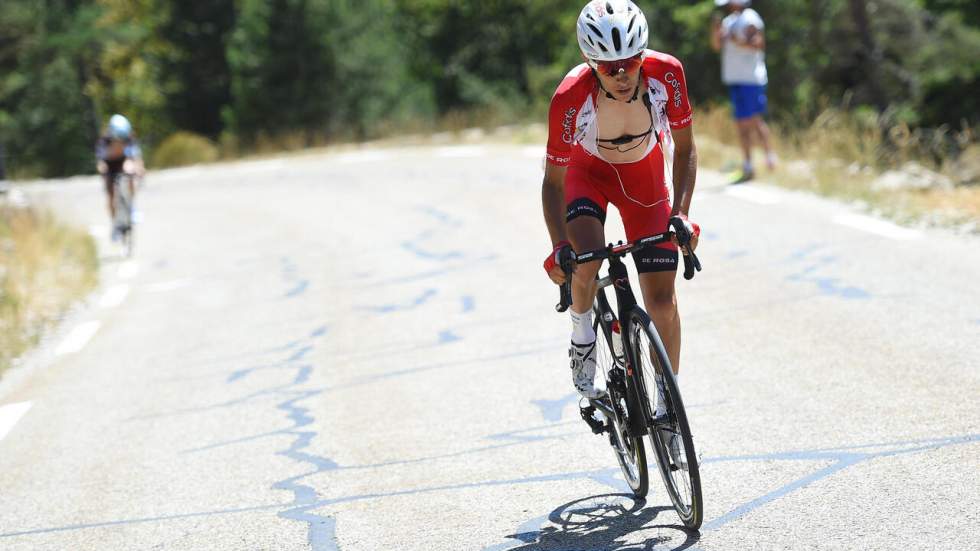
412, 304
803, 252
551, 410
447, 336
842, 458
298, 290
737, 254
469, 304
441, 216
428, 255
829, 286
298, 355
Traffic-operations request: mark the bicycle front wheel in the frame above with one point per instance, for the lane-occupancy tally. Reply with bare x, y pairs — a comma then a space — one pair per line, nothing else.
629, 449
668, 420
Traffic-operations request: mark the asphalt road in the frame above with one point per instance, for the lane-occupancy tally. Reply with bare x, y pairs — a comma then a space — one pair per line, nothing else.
358, 351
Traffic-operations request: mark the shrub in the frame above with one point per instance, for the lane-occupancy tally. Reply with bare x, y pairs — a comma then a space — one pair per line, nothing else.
184, 148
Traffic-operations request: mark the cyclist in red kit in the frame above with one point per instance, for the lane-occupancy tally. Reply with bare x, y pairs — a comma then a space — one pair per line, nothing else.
614, 121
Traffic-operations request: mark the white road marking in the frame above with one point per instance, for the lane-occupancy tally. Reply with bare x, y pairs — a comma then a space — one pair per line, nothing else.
165, 286
114, 296
78, 338
458, 151
876, 226
10, 414
128, 269
369, 156
752, 194
98, 231
17, 198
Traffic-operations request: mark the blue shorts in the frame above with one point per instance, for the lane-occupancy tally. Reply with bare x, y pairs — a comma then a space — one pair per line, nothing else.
748, 100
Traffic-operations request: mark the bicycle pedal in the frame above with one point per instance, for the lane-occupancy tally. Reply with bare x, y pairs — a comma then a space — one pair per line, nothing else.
588, 415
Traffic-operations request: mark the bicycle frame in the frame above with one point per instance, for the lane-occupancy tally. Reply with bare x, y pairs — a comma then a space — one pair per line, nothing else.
618, 278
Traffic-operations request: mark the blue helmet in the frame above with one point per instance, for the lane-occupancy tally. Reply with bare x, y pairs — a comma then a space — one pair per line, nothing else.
119, 127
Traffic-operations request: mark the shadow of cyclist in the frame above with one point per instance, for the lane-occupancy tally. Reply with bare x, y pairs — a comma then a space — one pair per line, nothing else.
603, 523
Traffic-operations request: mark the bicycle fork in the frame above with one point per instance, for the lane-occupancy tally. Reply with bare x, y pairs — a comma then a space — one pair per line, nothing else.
618, 278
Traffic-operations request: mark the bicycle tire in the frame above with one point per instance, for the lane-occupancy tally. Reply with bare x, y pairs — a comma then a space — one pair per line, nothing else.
124, 215
683, 485
629, 450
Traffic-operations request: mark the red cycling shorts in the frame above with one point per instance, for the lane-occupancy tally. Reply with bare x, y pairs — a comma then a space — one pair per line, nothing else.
638, 190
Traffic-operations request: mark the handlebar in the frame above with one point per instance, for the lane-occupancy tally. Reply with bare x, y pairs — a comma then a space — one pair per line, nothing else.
675, 228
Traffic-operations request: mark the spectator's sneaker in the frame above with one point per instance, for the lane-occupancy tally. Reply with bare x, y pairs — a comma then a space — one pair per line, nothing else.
582, 362
741, 177
675, 446
771, 161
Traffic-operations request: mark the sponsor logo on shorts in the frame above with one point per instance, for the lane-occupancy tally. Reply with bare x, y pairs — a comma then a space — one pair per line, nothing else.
648, 260
556, 159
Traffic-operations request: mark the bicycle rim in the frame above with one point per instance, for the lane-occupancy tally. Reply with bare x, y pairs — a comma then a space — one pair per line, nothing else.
683, 484
630, 451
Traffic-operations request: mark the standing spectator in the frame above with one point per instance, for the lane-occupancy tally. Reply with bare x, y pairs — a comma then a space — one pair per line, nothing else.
740, 39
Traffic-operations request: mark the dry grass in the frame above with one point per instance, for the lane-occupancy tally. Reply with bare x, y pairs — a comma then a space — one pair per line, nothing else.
845, 155
44, 267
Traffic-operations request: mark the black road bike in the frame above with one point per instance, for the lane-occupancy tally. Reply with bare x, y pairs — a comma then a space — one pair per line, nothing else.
123, 207
638, 378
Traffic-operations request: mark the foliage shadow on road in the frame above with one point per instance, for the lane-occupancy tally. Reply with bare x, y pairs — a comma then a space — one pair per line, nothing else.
602, 523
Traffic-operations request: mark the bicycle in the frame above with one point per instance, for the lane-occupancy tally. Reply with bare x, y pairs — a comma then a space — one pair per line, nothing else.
628, 405
122, 198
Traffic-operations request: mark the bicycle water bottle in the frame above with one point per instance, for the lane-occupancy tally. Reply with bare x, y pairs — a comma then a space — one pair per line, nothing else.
617, 340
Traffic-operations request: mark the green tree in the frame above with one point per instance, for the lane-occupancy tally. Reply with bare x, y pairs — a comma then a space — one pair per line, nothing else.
282, 71
49, 52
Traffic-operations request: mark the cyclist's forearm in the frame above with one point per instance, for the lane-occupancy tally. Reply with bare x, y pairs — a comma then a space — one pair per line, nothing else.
552, 200
685, 174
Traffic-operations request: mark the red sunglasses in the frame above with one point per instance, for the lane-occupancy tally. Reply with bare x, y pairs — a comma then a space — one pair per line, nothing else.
613, 68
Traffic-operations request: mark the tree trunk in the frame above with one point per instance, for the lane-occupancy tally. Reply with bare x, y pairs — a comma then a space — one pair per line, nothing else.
870, 55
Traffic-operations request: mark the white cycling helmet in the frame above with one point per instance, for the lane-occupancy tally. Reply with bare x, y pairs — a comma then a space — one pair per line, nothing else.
739, 3
611, 29
119, 127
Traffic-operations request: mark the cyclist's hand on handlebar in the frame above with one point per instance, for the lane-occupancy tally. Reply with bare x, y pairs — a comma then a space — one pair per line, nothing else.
552, 264
692, 228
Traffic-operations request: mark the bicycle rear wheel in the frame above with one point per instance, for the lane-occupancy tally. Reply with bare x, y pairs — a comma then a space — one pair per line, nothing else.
683, 483
630, 451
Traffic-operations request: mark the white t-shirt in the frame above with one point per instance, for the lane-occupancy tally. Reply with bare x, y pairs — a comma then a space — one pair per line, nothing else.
741, 65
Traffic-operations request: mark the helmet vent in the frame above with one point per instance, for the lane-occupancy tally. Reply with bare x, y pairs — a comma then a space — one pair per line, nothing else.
589, 17
630, 28
595, 30
603, 48
617, 41
609, 8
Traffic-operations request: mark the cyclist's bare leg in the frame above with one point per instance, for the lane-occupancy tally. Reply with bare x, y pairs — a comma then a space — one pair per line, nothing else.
585, 234
746, 129
109, 196
660, 301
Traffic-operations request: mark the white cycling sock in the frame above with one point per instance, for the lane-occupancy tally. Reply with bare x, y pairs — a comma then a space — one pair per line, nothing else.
582, 331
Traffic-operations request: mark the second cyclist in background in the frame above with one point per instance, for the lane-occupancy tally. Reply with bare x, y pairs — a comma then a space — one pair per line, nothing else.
117, 152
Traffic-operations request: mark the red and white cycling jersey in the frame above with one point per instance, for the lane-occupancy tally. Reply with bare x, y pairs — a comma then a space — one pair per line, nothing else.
572, 117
